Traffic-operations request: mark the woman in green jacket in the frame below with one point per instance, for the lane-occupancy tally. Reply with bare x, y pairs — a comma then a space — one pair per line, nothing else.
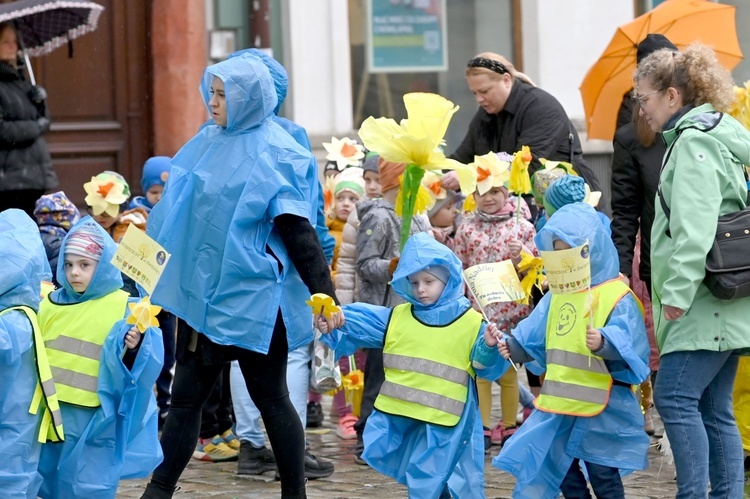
681, 95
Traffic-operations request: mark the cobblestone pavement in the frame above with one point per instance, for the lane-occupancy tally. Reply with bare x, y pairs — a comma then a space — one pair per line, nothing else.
350, 480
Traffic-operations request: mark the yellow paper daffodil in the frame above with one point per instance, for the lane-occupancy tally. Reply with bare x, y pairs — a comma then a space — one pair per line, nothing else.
328, 198
592, 197
416, 140
322, 304
470, 204
143, 314
592, 306
533, 267
520, 183
105, 194
353, 384
740, 109
345, 152
432, 182
488, 172
423, 203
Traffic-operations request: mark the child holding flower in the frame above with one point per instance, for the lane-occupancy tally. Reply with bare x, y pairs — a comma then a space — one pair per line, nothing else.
492, 233
433, 345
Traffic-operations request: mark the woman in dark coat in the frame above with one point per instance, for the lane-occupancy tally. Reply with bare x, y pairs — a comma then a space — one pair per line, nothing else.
25, 164
514, 113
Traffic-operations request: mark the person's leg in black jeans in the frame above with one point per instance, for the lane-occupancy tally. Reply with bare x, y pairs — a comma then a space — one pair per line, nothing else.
605, 481
374, 377
168, 325
216, 414
193, 383
265, 377
574, 484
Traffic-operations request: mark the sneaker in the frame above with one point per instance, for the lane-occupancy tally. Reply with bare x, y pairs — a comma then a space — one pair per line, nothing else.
345, 427
255, 460
215, 451
315, 467
648, 425
231, 440
314, 415
357, 450
500, 434
487, 439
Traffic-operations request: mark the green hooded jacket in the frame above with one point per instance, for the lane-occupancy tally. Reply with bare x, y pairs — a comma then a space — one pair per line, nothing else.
702, 179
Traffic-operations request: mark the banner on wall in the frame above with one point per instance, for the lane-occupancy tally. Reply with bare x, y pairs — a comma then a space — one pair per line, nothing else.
406, 36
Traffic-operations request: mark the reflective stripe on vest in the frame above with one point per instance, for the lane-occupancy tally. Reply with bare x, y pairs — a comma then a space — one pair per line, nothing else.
45, 394
577, 382
427, 368
74, 335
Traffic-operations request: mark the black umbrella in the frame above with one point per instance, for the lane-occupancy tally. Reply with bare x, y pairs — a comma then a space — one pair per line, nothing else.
44, 25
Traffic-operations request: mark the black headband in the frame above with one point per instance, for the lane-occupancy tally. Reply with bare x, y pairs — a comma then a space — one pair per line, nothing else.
482, 62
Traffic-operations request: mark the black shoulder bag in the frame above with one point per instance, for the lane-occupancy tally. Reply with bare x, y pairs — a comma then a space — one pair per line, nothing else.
728, 260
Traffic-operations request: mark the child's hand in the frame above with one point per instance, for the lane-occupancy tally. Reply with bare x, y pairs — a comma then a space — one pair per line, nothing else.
515, 246
132, 338
593, 339
439, 235
502, 347
328, 325
491, 334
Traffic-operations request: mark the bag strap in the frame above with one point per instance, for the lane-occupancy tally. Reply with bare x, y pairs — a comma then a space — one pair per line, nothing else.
660, 194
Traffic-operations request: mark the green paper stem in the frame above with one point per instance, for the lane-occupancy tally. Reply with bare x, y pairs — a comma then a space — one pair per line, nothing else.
409, 192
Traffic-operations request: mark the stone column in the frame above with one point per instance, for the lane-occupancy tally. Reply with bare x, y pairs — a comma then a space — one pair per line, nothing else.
180, 53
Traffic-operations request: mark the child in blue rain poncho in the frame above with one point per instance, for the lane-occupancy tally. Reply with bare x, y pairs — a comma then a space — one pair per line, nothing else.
599, 421
24, 268
432, 347
104, 373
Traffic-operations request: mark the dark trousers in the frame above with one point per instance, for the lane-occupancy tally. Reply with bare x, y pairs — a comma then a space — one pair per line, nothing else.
265, 376
605, 481
374, 377
22, 199
216, 414
168, 325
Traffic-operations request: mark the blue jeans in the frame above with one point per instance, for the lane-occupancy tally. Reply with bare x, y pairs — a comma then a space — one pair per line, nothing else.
693, 394
605, 481
247, 416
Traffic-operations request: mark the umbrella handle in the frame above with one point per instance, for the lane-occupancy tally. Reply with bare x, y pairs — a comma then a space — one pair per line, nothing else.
29, 69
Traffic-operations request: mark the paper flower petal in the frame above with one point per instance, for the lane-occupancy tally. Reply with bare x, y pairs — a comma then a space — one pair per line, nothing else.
143, 314
520, 182
345, 152
322, 304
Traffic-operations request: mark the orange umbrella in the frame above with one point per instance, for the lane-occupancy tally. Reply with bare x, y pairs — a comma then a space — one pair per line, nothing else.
683, 22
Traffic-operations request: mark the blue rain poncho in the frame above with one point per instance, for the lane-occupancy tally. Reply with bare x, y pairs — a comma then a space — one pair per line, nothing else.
542, 450
423, 456
280, 84
25, 266
119, 439
226, 186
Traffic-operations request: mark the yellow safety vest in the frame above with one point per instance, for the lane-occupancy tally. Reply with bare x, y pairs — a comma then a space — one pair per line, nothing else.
577, 382
74, 335
427, 368
52, 426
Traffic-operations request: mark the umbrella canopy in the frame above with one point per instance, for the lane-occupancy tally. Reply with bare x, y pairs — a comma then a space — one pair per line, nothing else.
44, 25
683, 22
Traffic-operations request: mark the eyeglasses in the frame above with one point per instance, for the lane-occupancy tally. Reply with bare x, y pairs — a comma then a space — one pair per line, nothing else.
641, 99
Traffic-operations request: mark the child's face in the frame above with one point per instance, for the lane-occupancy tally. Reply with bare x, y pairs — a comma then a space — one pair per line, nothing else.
372, 184
560, 245
153, 194
345, 203
491, 201
218, 102
444, 217
104, 220
78, 271
425, 287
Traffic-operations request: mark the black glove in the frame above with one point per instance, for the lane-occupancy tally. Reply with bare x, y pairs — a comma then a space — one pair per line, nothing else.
43, 124
37, 94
